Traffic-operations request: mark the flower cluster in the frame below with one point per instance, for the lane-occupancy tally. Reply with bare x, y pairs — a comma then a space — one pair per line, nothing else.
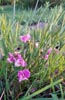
18, 61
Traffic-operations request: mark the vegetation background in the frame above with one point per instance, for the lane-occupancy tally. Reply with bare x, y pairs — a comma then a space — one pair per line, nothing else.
53, 35
31, 3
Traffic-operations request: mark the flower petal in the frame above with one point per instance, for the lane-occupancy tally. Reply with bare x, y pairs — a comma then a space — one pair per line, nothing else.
25, 38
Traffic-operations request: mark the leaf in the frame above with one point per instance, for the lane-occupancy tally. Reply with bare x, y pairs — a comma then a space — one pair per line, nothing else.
54, 96
43, 99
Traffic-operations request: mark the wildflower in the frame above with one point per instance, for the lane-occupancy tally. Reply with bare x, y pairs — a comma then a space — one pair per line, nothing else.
23, 75
49, 51
25, 38
10, 58
20, 62
17, 59
46, 57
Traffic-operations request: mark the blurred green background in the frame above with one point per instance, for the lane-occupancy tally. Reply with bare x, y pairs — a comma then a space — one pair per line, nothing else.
31, 3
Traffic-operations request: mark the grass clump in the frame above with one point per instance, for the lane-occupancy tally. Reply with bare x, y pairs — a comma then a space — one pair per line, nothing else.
41, 52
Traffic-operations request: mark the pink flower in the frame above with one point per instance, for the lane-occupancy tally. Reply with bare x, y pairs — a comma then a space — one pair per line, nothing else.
11, 58
25, 38
20, 62
17, 59
49, 51
23, 75
46, 57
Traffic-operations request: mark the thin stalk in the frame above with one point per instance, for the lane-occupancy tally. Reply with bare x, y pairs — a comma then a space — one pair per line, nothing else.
61, 91
14, 9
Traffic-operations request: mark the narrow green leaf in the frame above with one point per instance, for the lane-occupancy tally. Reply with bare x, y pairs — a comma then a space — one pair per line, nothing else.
42, 90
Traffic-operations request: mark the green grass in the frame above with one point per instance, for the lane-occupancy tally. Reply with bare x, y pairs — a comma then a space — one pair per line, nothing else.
30, 16
27, 16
